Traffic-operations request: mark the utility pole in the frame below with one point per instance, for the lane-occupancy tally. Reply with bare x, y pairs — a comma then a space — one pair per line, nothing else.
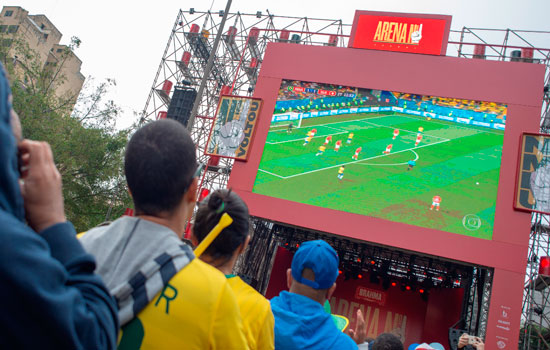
208, 68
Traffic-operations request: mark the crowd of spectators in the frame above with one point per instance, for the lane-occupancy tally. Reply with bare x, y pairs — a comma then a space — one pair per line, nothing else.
133, 283
476, 110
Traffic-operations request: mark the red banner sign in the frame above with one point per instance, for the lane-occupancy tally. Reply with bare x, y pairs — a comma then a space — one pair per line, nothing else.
426, 34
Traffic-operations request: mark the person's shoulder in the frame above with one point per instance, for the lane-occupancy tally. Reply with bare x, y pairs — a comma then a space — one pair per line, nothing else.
242, 284
203, 275
347, 342
117, 225
245, 291
15, 232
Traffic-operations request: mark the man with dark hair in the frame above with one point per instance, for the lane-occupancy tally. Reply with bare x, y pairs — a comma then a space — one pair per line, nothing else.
159, 165
300, 319
166, 297
49, 296
387, 341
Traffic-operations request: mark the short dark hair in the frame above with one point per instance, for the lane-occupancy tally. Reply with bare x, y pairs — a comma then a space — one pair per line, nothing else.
159, 164
387, 341
208, 215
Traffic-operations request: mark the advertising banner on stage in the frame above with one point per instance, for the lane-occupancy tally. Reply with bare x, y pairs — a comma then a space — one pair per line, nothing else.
234, 126
533, 182
402, 312
426, 34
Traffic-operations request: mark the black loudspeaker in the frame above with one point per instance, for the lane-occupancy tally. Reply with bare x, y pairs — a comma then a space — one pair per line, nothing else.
181, 105
516, 56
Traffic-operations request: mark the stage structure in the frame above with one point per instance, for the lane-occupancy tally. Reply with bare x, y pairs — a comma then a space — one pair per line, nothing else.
530, 47
235, 71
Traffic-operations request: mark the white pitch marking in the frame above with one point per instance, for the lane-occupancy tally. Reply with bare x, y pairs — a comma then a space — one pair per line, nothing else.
267, 172
302, 139
357, 161
394, 127
475, 128
394, 163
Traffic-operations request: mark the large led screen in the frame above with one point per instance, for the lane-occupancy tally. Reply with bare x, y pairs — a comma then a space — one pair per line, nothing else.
428, 161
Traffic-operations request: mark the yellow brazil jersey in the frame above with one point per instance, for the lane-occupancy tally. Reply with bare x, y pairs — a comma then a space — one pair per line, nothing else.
256, 313
341, 170
196, 310
322, 148
350, 136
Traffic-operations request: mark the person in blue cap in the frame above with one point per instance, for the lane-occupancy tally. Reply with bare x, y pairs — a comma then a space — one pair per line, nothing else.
300, 319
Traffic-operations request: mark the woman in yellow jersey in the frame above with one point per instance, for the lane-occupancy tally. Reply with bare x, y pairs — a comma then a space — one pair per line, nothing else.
223, 253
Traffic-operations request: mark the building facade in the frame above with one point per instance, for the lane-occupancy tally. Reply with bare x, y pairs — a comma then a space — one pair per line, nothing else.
43, 37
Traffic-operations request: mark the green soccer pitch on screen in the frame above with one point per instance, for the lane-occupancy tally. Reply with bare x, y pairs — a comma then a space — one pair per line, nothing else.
428, 161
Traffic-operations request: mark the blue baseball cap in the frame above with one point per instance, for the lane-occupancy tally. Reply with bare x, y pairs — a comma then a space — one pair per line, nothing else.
321, 258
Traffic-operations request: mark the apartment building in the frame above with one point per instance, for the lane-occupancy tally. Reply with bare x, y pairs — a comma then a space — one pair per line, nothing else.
43, 37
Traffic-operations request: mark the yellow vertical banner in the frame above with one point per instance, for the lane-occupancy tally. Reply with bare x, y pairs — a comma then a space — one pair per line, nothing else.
233, 127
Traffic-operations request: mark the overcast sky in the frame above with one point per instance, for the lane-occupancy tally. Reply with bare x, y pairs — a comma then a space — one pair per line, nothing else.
125, 40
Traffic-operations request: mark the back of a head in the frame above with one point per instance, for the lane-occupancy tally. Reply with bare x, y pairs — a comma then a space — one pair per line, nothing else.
321, 258
208, 215
387, 341
159, 164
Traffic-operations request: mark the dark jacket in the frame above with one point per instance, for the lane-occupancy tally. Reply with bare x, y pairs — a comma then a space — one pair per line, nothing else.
50, 297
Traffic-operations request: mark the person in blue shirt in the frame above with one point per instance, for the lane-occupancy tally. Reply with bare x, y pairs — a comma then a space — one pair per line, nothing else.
300, 319
49, 295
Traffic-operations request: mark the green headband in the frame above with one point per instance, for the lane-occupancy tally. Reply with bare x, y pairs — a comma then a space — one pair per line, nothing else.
221, 208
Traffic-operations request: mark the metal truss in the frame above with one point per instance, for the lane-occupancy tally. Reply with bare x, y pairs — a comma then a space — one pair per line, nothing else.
536, 297
236, 65
506, 45
529, 47
475, 308
237, 61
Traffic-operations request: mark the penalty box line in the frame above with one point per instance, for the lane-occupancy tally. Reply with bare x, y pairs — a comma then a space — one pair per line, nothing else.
285, 127
302, 139
330, 127
364, 120
409, 131
456, 125
352, 162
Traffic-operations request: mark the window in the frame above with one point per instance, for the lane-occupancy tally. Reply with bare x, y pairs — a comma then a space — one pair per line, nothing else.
13, 29
59, 50
45, 36
42, 26
3, 28
7, 42
8, 13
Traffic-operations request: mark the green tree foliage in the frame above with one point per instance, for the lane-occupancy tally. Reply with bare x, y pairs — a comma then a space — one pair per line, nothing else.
534, 337
87, 147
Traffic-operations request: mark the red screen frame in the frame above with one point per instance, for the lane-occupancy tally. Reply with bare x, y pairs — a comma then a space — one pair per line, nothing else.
518, 85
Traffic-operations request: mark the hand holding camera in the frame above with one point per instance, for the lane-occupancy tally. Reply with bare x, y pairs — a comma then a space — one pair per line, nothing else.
473, 341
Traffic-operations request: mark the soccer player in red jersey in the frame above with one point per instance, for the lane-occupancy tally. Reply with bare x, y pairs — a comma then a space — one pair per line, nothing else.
357, 151
435, 203
395, 133
418, 139
338, 145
